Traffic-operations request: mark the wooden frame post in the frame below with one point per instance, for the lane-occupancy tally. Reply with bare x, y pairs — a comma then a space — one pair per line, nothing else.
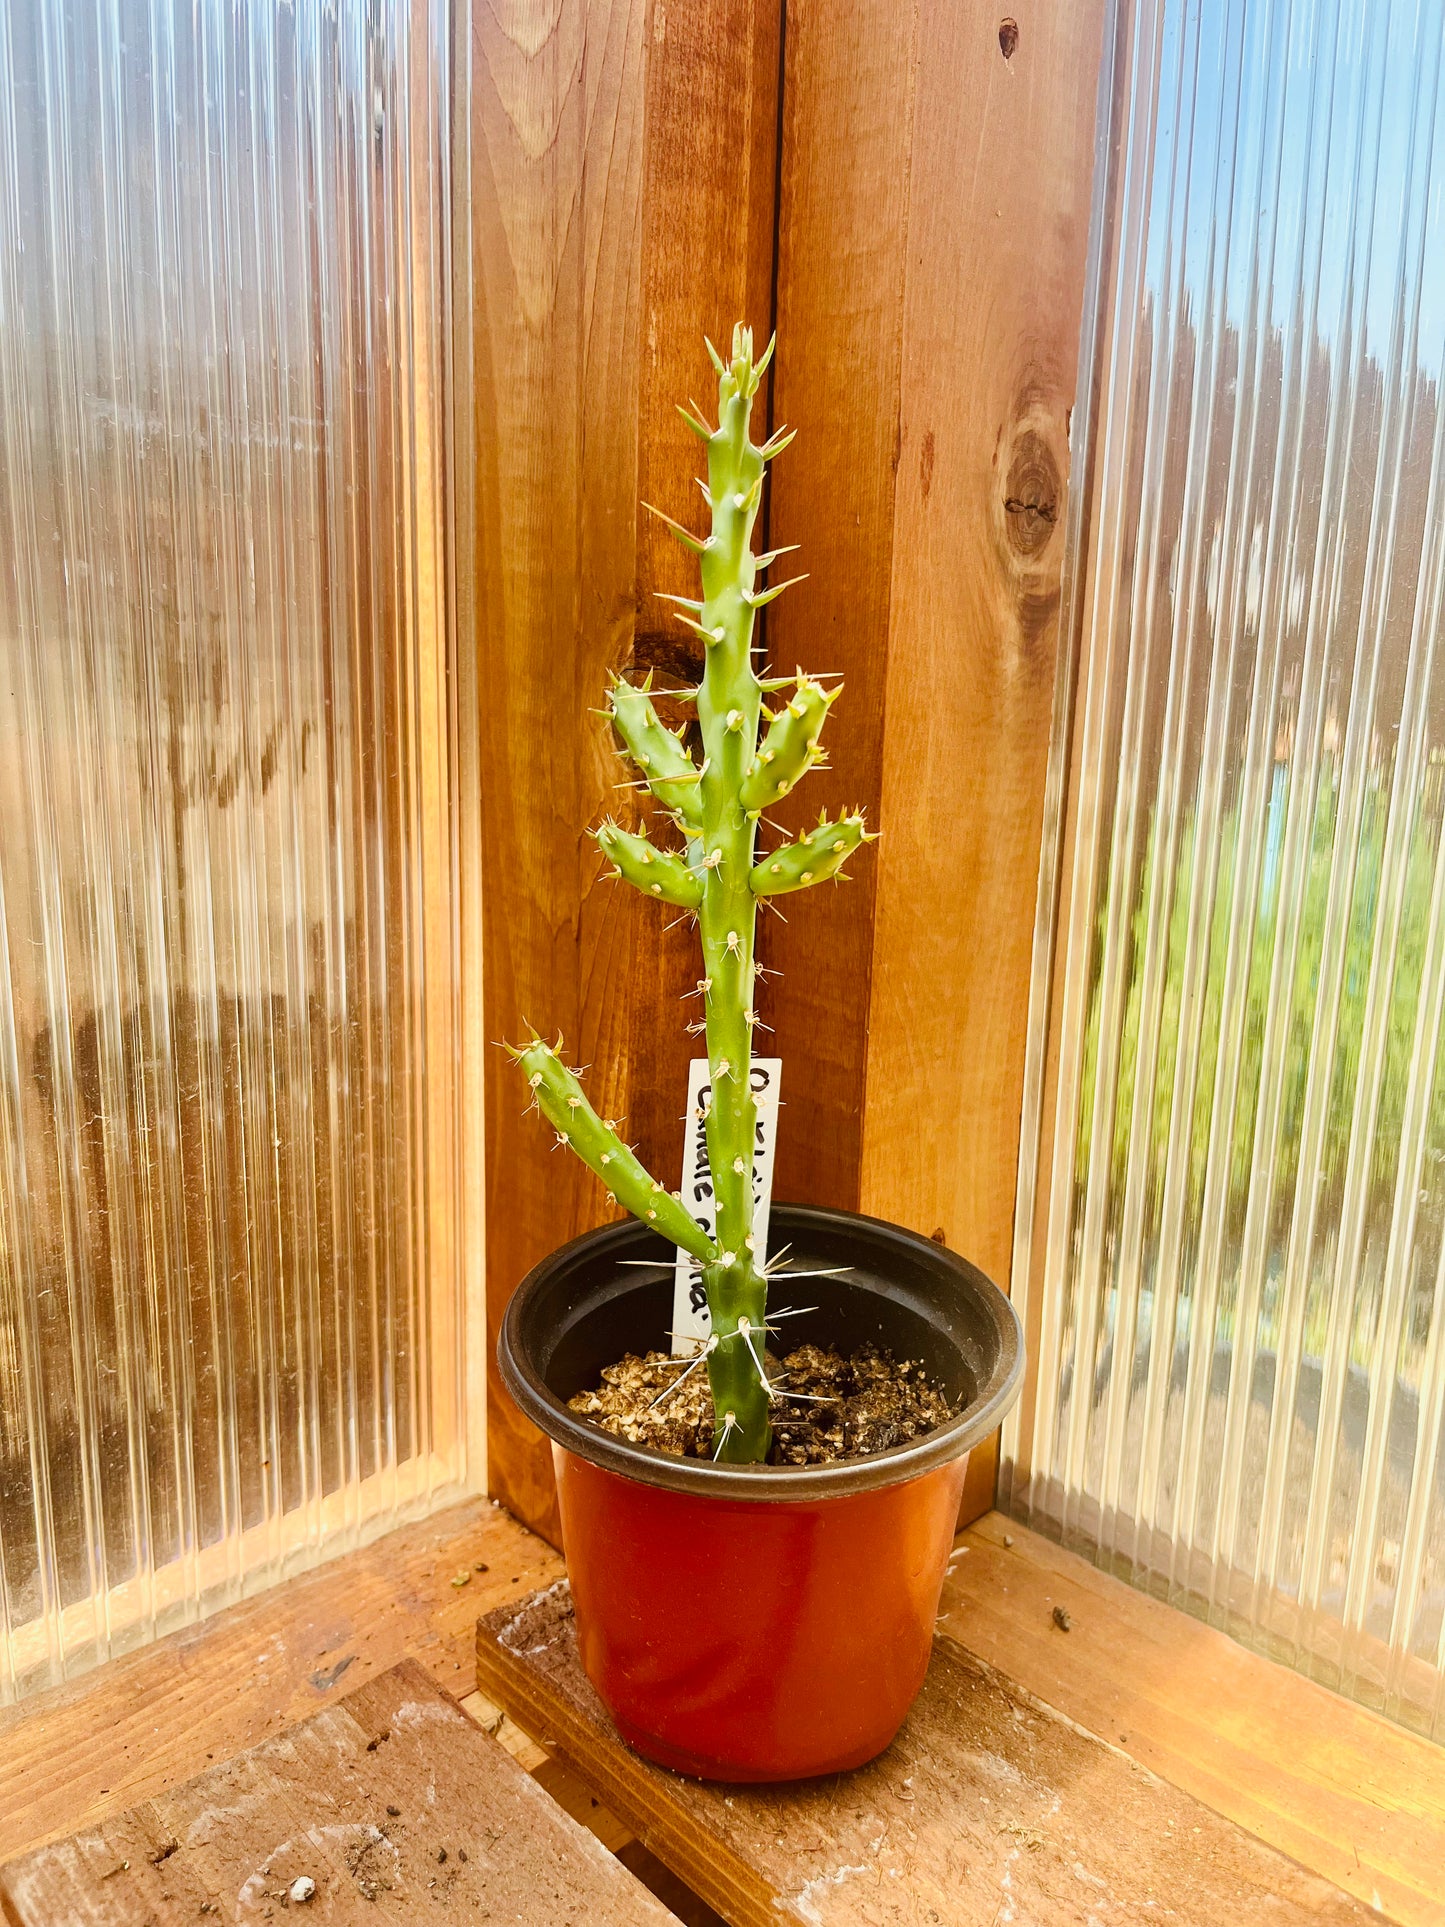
938, 167
622, 183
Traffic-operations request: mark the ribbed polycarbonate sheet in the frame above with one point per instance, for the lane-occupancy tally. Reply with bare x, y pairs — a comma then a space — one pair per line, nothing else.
1231, 1234
227, 1313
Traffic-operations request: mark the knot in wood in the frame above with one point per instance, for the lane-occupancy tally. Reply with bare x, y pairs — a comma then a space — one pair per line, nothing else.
1031, 495
677, 660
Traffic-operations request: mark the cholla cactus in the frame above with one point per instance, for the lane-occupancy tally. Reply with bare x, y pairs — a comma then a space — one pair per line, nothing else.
719, 877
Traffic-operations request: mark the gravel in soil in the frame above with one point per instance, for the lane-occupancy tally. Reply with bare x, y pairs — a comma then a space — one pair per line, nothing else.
828, 1407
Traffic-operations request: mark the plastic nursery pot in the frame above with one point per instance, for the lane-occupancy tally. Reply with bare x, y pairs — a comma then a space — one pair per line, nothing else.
760, 1622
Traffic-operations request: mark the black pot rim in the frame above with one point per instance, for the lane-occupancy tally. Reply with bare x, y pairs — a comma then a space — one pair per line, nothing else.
701, 1479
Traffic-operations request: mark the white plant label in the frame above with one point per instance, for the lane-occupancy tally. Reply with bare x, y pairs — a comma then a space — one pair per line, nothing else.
690, 1321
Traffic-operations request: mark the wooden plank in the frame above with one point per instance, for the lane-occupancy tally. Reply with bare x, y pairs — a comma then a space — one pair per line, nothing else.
206, 1693
622, 197
504, 1730
988, 1806
556, 185
710, 169
1331, 1784
932, 378
390, 1802
933, 230
849, 78
578, 1799
136, 1847
86, 1750
570, 1793
991, 333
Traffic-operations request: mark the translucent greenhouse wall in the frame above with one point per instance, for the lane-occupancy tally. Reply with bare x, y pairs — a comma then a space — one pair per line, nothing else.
228, 1305
1231, 1243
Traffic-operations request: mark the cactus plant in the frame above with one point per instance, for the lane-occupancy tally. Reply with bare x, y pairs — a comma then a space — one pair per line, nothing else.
719, 877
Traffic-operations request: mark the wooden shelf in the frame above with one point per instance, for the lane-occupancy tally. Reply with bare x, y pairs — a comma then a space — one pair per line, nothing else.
1336, 1787
83, 1751
1343, 1793
988, 1805
389, 1806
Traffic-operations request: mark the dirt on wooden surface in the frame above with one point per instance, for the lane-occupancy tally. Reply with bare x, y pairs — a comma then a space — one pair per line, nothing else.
386, 1808
987, 1808
828, 1407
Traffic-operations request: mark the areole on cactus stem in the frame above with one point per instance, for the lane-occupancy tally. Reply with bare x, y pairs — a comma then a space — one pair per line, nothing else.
718, 875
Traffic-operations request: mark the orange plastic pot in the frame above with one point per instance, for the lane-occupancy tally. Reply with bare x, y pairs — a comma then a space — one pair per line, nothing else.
736, 1640
755, 1623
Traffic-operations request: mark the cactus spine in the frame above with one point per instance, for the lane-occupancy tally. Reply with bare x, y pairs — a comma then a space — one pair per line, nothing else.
719, 877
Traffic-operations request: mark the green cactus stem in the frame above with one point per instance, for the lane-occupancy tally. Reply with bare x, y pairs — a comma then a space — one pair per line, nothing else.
561, 1100
817, 855
666, 767
719, 877
657, 873
790, 748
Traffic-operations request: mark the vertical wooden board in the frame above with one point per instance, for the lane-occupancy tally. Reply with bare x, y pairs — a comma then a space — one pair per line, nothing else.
556, 186
998, 227
928, 288
933, 224
1062, 879
710, 169
848, 86
622, 196
997, 245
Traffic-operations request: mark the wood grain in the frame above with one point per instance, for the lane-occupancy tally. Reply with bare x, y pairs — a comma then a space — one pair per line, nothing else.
848, 87
582, 1803
932, 241
82, 1752
392, 1803
1344, 1792
556, 185
1335, 1786
983, 482
991, 330
132, 1729
710, 167
622, 194
988, 1806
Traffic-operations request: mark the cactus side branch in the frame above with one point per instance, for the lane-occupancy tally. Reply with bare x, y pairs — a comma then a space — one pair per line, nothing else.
666, 767
561, 1100
790, 747
814, 857
656, 873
